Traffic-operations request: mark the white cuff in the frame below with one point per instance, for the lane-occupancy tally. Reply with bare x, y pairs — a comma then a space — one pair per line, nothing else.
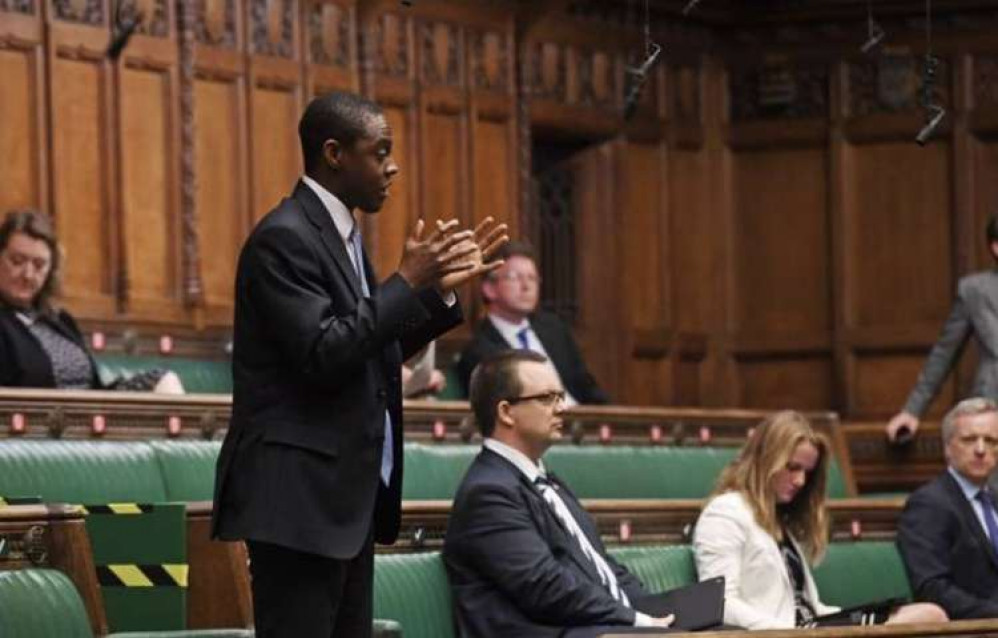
449, 299
642, 620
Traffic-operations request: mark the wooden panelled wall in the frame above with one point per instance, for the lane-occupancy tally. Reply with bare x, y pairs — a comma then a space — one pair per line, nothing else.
765, 233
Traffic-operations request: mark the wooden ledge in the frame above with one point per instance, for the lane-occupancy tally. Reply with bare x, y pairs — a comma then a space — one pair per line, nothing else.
952, 628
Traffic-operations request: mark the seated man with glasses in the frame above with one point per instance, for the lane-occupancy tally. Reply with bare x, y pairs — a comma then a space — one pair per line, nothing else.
948, 532
522, 555
511, 293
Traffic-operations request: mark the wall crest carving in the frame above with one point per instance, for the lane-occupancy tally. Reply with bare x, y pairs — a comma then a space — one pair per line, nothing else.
892, 83
84, 11
329, 27
490, 60
547, 67
440, 44
597, 75
778, 91
215, 24
272, 27
155, 20
17, 6
391, 41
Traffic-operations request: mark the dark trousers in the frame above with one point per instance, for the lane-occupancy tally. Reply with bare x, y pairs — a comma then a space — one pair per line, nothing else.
301, 595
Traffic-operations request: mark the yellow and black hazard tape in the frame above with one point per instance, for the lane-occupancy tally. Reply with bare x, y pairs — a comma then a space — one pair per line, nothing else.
131, 575
19, 500
119, 508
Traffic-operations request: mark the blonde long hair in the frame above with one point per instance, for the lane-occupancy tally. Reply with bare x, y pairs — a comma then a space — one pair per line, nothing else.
751, 474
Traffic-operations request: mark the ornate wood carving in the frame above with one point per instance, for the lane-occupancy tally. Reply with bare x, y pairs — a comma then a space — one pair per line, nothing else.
155, 16
84, 11
597, 78
892, 83
440, 42
330, 28
546, 65
391, 45
215, 23
524, 139
986, 80
190, 256
272, 27
17, 6
778, 90
490, 60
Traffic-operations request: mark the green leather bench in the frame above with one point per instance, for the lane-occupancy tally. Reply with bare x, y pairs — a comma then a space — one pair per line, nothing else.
198, 375
44, 603
412, 589
607, 472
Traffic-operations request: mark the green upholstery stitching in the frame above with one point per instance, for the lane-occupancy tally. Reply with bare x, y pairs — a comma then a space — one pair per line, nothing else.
198, 375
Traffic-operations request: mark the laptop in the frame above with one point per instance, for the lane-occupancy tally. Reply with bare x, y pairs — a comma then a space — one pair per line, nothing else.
696, 606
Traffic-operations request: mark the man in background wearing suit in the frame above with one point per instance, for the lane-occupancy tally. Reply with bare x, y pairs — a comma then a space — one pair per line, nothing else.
522, 555
948, 532
310, 472
974, 310
512, 293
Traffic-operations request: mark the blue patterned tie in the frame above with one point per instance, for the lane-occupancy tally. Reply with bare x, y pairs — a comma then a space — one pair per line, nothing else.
387, 452
522, 337
990, 518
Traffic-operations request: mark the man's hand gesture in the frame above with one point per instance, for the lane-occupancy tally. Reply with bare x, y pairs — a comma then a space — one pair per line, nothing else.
487, 238
444, 252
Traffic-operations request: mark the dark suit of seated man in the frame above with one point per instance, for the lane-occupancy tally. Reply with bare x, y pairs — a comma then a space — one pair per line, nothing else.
512, 293
522, 555
948, 532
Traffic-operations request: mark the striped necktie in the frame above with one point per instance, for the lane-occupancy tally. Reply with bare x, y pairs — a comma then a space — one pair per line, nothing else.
990, 518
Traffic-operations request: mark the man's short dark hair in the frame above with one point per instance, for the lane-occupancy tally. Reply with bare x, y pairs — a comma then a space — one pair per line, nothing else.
496, 379
512, 248
336, 116
992, 229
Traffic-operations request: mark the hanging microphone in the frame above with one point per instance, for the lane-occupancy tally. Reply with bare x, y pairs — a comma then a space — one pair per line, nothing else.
124, 29
875, 35
689, 6
934, 113
640, 76
934, 118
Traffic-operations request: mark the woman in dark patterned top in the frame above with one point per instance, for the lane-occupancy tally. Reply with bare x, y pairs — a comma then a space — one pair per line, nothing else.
41, 345
767, 524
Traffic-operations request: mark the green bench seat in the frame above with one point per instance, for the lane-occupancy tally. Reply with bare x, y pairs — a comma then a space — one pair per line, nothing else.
212, 376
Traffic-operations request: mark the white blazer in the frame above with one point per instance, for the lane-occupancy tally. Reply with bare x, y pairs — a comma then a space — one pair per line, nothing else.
758, 593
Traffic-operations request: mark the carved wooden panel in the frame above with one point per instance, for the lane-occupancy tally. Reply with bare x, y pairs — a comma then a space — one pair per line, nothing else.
442, 144
18, 6
596, 77
778, 89
882, 382
19, 133
696, 251
395, 220
80, 176
84, 11
276, 150
491, 60
155, 19
794, 383
329, 34
985, 80
391, 44
221, 202
149, 187
892, 82
272, 24
685, 94
216, 23
441, 53
493, 179
898, 206
781, 244
547, 67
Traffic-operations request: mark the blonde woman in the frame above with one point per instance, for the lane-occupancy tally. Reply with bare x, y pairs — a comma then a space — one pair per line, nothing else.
767, 523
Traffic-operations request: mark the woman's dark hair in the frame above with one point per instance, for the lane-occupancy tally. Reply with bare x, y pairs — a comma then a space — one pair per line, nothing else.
37, 226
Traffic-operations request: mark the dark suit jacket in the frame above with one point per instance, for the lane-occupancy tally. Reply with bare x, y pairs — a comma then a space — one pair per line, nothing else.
559, 344
315, 365
23, 362
513, 569
948, 556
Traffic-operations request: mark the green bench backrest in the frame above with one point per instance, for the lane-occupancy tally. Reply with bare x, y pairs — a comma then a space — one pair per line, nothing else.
861, 572
42, 603
619, 471
412, 589
81, 471
198, 375
660, 567
188, 468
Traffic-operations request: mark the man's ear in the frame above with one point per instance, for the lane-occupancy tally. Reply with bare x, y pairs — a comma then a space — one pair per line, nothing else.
504, 417
332, 152
488, 289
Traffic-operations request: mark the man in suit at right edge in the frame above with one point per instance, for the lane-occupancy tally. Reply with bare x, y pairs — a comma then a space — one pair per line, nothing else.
522, 555
512, 293
948, 532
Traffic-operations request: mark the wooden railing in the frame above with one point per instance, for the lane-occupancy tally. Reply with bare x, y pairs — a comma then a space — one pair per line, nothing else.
967, 628
879, 466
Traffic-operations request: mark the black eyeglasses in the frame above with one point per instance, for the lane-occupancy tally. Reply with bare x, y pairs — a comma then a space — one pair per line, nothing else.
548, 399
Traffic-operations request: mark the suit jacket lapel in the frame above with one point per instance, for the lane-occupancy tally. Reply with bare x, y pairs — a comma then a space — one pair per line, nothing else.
491, 333
970, 520
317, 214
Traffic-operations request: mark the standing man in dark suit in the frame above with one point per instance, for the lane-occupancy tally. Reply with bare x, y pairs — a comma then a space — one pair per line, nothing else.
512, 293
310, 472
975, 311
948, 532
522, 555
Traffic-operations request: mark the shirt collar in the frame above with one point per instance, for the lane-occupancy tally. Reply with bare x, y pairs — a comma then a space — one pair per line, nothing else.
520, 460
342, 217
969, 489
508, 329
